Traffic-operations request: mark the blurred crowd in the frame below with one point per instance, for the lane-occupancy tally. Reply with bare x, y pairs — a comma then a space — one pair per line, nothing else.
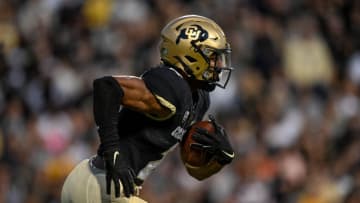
291, 110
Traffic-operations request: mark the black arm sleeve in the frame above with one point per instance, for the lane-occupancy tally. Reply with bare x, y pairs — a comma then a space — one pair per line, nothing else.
107, 98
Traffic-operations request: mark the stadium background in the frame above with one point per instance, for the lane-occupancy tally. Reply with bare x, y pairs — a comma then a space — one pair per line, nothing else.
291, 109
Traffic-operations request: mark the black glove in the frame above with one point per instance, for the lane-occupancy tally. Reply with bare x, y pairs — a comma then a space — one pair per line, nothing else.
216, 143
117, 170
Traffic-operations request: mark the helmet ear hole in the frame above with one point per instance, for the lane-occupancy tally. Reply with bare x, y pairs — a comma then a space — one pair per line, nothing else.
164, 51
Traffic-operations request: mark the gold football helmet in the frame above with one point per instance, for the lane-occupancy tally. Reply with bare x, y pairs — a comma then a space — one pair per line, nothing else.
198, 46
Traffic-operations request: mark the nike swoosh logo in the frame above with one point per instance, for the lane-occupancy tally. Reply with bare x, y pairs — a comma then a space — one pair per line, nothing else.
115, 155
229, 155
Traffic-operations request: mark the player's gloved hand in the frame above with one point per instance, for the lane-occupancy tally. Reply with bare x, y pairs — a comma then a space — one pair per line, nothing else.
117, 170
216, 143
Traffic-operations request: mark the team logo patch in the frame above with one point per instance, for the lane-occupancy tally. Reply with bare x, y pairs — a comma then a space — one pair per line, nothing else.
194, 32
180, 130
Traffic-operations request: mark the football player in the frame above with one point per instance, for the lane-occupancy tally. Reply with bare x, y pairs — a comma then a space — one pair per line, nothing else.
141, 119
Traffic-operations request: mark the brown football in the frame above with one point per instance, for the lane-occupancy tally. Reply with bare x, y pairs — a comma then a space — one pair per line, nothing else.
191, 156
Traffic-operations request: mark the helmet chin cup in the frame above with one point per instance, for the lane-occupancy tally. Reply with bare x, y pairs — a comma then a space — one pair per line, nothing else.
207, 75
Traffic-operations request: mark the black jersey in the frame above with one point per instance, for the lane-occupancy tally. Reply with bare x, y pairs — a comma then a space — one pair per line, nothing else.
145, 138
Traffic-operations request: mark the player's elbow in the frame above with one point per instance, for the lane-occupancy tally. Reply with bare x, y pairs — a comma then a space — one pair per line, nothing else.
102, 82
107, 83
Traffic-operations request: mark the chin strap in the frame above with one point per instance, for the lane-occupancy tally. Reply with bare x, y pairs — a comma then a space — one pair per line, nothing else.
203, 84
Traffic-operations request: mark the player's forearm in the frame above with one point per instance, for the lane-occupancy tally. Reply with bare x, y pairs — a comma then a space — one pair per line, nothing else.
107, 98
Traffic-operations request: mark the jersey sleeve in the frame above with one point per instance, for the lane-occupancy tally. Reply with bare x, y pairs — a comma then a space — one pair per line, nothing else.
169, 88
204, 104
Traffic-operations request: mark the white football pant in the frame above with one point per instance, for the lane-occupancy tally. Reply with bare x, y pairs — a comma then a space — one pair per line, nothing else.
87, 184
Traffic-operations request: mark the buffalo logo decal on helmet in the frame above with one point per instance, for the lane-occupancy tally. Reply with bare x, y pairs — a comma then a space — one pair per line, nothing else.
194, 32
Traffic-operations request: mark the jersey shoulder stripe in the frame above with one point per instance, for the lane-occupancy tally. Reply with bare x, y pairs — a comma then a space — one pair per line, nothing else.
169, 87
